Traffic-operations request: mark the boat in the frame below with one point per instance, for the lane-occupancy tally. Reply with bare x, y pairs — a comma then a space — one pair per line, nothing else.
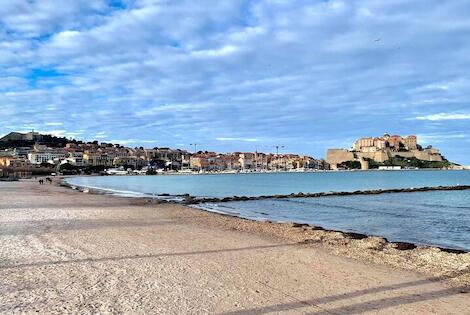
116, 171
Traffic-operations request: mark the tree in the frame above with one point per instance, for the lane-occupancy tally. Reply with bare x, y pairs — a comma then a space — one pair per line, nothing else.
47, 165
351, 165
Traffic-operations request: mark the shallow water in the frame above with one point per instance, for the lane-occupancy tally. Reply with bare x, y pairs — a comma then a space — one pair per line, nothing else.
224, 185
440, 218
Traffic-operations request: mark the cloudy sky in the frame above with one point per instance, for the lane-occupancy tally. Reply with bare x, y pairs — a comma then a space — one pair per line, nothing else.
238, 75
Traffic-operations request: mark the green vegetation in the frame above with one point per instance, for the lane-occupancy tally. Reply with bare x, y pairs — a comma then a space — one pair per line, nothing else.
409, 163
69, 169
404, 162
48, 140
350, 165
94, 169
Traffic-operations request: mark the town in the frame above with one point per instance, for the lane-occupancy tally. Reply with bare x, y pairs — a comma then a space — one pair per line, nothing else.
28, 154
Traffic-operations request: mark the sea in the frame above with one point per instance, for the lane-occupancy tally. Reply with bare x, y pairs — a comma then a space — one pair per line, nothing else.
437, 218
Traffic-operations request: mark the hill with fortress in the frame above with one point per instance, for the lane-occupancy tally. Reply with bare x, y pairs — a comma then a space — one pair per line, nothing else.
387, 150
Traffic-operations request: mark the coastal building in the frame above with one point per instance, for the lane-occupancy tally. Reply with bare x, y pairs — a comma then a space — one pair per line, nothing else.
380, 143
75, 158
9, 159
363, 143
130, 161
382, 149
169, 156
261, 161
247, 161
280, 162
97, 159
22, 151
72, 146
206, 161
5, 158
12, 165
53, 150
228, 162
313, 164
185, 161
51, 156
410, 142
372, 149
395, 142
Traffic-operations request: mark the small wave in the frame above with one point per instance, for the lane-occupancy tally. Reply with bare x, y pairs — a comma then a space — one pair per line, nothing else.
119, 193
216, 208
311, 204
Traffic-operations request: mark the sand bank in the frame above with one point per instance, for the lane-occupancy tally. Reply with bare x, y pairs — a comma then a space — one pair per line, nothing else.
65, 251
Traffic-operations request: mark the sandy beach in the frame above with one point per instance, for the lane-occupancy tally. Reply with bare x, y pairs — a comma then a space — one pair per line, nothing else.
63, 251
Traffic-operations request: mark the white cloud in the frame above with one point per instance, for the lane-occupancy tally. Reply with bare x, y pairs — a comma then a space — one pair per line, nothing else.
271, 69
219, 52
60, 133
445, 116
237, 139
34, 18
101, 135
53, 124
435, 138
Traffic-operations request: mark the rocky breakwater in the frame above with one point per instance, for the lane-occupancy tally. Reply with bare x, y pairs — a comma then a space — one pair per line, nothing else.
187, 199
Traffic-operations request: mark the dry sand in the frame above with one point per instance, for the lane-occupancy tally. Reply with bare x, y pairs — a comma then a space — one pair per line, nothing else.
62, 251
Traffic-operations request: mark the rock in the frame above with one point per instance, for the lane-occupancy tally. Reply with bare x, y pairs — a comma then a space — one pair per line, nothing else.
404, 246
373, 242
298, 225
355, 236
189, 200
452, 251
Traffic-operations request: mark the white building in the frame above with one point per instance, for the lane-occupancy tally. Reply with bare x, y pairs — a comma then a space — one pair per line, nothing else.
75, 158
246, 160
46, 156
389, 168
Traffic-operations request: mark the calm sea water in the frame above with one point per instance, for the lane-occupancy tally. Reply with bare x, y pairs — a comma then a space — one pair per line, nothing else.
439, 218
224, 185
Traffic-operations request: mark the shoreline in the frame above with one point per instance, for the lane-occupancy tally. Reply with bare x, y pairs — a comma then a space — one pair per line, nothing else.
352, 235
435, 261
177, 173
65, 251
191, 201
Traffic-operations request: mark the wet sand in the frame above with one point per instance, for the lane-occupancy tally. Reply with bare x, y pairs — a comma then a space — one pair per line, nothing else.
62, 251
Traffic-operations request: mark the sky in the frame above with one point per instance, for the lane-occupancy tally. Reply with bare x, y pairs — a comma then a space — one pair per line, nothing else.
238, 75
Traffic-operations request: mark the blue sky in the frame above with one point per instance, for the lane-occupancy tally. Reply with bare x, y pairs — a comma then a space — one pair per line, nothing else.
238, 75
